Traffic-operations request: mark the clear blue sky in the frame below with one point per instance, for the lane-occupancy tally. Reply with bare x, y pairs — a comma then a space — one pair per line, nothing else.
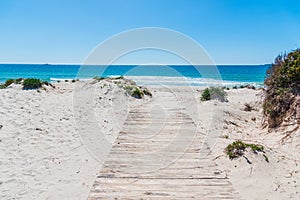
65, 31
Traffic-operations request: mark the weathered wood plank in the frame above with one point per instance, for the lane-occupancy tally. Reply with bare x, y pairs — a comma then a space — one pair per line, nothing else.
159, 155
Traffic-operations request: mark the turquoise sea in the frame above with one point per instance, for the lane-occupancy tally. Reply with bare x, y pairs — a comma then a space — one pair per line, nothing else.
147, 75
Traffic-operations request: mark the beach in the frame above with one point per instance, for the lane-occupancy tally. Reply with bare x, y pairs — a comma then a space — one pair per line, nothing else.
43, 155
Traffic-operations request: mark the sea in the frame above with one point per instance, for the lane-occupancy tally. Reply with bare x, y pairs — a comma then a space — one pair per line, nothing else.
226, 75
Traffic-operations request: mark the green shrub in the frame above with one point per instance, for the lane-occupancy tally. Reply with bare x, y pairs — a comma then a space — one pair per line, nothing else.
238, 148
119, 77
32, 83
214, 93
98, 78
137, 93
8, 82
283, 85
134, 91
205, 96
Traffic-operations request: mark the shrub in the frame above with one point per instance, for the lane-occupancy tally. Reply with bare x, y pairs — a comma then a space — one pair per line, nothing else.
119, 77
214, 93
134, 91
137, 92
205, 96
283, 86
238, 148
98, 78
32, 83
8, 82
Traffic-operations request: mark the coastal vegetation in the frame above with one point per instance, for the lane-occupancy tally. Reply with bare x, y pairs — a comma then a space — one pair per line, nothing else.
8, 82
248, 86
130, 87
27, 83
98, 78
238, 148
32, 83
282, 95
137, 91
217, 93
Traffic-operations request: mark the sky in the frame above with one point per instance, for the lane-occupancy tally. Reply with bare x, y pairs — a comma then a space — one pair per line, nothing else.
66, 31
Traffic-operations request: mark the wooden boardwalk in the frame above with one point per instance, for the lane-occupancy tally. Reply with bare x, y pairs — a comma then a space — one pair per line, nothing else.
159, 154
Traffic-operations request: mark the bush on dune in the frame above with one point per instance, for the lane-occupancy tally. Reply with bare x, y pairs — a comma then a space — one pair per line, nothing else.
32, 83
28, 83
238, 148
130, 87
214, 93
205, 96
8, 82
282, 95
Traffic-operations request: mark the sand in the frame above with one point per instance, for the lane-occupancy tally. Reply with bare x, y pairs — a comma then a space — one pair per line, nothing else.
43, 154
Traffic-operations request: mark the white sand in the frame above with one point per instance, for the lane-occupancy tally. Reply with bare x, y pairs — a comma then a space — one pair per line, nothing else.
41, 152
42, 155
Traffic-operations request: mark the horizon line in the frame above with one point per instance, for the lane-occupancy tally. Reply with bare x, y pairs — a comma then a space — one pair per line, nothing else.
158, 64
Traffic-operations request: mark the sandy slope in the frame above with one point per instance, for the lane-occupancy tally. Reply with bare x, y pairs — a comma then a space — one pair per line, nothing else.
42, 155
41, 151
278, 179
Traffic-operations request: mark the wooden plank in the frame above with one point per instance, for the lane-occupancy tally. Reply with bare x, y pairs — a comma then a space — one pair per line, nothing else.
159, 155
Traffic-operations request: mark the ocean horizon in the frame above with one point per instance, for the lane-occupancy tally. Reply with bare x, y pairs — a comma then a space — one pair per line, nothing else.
143, 74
